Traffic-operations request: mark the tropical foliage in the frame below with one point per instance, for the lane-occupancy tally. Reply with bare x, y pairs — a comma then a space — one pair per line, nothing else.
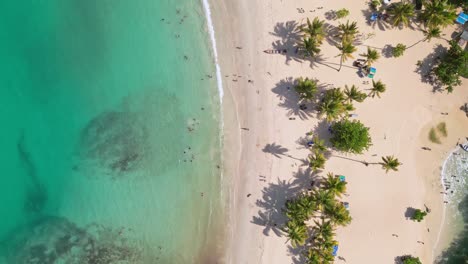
334, 185
314, 29
353, 94
342, 13
347, 49
398, 50
309, 47
350, 136
401, 13
347, 32
408, 259
297, 232
418, 215
377, 88
371, 56
437, 13
451, 66
317, 160
332, 105
390, 163
306, 88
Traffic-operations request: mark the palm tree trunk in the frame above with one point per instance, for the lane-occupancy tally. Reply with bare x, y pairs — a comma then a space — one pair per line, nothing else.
416, 43
341, 63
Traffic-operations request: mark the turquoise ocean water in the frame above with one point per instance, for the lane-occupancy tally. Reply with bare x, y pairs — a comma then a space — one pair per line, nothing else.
455, 226
110, 132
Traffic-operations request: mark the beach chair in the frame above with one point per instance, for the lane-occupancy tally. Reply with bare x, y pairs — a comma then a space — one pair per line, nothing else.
462, 18
335, 250
372, 72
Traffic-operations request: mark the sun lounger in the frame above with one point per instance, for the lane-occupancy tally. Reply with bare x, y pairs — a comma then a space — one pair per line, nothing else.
462, 18
372, 72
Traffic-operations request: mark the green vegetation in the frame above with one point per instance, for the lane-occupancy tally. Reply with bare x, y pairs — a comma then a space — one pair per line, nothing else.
320, 202
332, 105
433, 136
306, 88
418, 215
374, 4
451, 67
429, 34
347, 32
313, 37
390, 163
377, 88
408, 259
398, 50
442, 128
353, 94
347, 49
401, 13
317, 160
437, 13
371, 56
342, 13
350, 136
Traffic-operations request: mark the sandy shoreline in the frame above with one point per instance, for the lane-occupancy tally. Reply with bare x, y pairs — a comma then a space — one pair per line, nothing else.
399, 123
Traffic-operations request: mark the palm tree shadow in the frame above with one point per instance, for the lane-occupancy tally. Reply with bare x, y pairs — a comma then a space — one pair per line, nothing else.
297, 254
427, 65
289, 34
290, 99
275, 150
270, 214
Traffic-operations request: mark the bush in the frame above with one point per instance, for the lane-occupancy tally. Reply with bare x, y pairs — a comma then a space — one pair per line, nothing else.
350, 136
408, 259
399, 50
418, 215
442, 128
375, 4
433, 136
342, 13
453, 65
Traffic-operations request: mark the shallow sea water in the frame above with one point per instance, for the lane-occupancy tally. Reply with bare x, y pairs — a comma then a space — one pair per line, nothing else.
110, 132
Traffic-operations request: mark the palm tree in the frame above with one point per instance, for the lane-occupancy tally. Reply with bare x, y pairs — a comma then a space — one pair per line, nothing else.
332, 109
354, 94
322, 198
295, 210
334, 185
347, 49
401, 13
371, 56
338, 214
319, 144
377, 88
347, 31
431, 32
323, 230
309, 47
317, 161
314, 29
390, 163
296, 232
317, 255
306, 88
437, 13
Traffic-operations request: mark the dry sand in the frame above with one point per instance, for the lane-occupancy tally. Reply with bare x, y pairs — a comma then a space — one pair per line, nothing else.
264, 159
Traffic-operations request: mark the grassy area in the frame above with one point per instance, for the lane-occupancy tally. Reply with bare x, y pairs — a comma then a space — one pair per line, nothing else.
442, 128
464, 72
433, 136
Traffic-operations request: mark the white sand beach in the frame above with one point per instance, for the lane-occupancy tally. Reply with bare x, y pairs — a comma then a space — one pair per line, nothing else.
263, 157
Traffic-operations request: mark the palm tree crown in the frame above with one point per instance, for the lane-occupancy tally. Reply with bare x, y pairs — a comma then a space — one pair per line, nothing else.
353, 94
334, 185
371, 56
314, 29
437, 13
347, 31
297, 232
347, 49
377, 88
401, 13
317, 160
390, 163
306, 88
309, 47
